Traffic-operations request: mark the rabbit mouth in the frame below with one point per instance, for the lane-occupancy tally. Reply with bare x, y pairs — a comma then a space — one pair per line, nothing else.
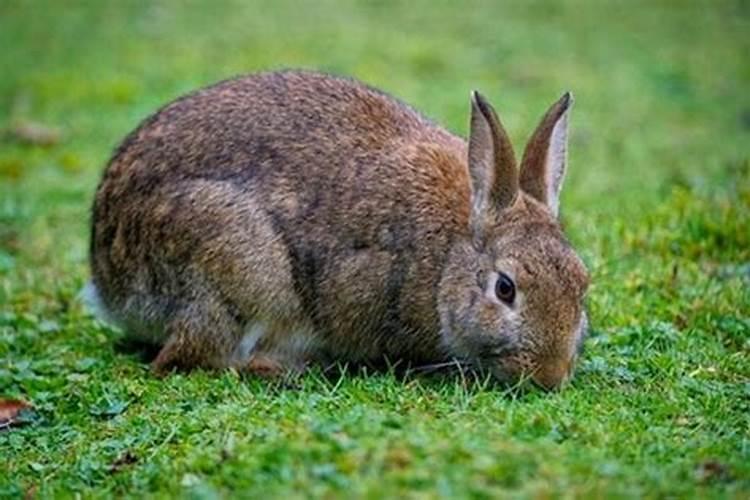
502, 351
500, 357
496, 349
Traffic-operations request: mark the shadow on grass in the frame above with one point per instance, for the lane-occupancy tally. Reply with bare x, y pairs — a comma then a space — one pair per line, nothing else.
145, 352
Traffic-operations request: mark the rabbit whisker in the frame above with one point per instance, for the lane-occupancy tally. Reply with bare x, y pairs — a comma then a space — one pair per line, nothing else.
456, 363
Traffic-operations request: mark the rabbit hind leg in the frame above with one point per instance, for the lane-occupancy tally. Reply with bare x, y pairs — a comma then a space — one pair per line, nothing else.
202, 334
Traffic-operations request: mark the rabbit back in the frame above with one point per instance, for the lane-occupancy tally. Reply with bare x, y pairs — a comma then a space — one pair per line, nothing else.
312, 209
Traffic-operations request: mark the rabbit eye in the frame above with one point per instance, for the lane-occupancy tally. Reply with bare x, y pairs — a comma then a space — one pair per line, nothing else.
505, 289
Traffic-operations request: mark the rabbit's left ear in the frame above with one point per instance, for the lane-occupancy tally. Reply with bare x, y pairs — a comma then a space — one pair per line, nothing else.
546, 155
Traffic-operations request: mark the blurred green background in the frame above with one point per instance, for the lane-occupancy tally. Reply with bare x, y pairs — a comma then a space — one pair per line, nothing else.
657, 199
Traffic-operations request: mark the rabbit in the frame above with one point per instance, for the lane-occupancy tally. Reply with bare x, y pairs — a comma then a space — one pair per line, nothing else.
282, 219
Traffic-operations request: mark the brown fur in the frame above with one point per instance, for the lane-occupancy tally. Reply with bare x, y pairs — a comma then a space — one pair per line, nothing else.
341, 222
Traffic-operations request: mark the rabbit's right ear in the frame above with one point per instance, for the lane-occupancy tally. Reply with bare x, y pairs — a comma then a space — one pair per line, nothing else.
546, 155
492, 164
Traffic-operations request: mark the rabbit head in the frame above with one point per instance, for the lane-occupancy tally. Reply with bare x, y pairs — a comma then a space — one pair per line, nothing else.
511, 298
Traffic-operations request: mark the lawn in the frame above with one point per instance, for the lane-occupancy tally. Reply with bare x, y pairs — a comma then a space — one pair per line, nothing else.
657, 200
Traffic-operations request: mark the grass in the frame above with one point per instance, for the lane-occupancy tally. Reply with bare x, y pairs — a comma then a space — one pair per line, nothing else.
657, 201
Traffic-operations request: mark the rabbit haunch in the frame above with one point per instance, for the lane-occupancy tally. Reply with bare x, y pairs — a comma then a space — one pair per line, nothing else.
281, 219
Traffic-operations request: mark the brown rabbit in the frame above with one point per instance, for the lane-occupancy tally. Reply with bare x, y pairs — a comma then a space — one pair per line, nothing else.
284, 218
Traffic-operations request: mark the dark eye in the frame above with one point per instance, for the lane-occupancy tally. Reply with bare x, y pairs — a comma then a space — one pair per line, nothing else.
505, 289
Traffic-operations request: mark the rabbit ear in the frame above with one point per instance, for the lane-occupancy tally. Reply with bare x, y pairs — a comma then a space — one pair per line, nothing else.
492, 163
546, 155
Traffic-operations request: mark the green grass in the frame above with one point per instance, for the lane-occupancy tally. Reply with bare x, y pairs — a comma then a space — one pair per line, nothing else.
657, 201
